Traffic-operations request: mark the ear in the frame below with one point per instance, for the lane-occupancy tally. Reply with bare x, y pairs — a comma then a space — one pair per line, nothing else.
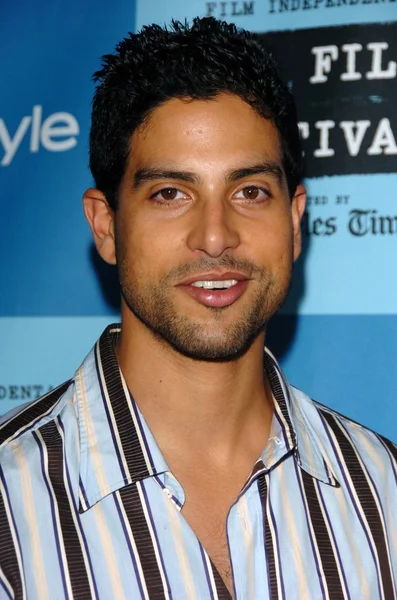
100, 218
298, 204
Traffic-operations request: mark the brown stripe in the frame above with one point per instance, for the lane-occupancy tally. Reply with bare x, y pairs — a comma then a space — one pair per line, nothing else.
367, 501
274, 380
221, 589
8, 555
73, 551
322, 541
269, 541
131, 501
32, 412
130, 443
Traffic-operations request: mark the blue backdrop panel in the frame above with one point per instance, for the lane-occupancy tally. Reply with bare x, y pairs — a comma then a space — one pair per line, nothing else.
337, 333
49, 56
50, 274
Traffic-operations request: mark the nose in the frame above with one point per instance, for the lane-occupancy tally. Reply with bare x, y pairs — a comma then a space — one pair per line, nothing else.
214, 228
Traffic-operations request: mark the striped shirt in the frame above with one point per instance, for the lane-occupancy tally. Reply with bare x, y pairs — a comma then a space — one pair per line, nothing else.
89, 508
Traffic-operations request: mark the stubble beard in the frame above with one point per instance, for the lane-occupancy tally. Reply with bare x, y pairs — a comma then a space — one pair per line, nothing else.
212, 340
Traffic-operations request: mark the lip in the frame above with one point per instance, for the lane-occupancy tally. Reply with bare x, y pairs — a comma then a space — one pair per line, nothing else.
219, 298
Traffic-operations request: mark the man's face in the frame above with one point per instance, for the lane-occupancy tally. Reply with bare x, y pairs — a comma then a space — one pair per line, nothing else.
205, 230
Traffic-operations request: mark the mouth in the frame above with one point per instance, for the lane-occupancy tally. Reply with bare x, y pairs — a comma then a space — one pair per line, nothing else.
216, 290
215, 285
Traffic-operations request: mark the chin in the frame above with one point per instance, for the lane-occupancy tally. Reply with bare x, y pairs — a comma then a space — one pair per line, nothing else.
207, 349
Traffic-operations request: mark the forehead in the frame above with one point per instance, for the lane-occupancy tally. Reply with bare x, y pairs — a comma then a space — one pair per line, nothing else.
207, 132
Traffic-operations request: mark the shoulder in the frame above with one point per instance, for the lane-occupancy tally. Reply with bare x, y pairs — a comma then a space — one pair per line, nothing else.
32, 415
357, 433
349, 442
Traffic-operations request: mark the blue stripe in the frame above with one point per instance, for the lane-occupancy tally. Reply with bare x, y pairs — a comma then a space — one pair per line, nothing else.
3, 585
117, 501
83, 492
207, 575
163, 487
155, 535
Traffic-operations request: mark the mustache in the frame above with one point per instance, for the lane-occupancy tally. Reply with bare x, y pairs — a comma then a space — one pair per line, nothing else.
246, 267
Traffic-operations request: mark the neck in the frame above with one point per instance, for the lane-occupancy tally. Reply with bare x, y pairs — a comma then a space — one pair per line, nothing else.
196, 404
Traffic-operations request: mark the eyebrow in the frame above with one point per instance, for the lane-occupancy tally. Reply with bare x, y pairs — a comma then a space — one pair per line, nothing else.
266, 168
150, 174
153, 174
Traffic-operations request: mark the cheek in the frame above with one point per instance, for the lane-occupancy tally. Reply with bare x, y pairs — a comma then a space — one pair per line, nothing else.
150, 247
272, 244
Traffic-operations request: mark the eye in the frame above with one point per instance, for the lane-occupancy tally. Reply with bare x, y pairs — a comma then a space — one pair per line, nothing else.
168, 194
252, 193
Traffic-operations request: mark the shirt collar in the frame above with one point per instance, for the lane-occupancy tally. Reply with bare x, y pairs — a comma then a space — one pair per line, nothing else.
296, 427
117, 447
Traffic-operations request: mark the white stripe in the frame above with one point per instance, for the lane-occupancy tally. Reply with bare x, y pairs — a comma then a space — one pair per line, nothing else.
64, 563
208, 568
175, 522
7, 584
115, 329
91, 437
76, 521
109, 550
134, 548
153, 537
82, 500
27, 494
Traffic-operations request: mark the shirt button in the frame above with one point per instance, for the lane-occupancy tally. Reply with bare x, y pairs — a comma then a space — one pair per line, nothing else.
167, 492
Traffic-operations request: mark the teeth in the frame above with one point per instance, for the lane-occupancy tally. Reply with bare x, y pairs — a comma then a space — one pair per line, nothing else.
211, 285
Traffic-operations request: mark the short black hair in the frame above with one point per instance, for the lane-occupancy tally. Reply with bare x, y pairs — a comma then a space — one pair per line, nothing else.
197, 61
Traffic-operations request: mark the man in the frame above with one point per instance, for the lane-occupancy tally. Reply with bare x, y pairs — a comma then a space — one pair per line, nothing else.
178, 462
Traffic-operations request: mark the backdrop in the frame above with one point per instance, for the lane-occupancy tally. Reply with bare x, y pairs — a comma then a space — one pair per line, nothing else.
336, 336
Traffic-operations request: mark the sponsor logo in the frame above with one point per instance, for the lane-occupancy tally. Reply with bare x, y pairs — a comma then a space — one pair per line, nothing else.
23, 392
56, 133
358, 222
281, 6
229, 9
345, 91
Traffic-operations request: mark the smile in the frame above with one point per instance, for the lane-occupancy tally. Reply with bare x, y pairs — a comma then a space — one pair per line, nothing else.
216, 293
215, 285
